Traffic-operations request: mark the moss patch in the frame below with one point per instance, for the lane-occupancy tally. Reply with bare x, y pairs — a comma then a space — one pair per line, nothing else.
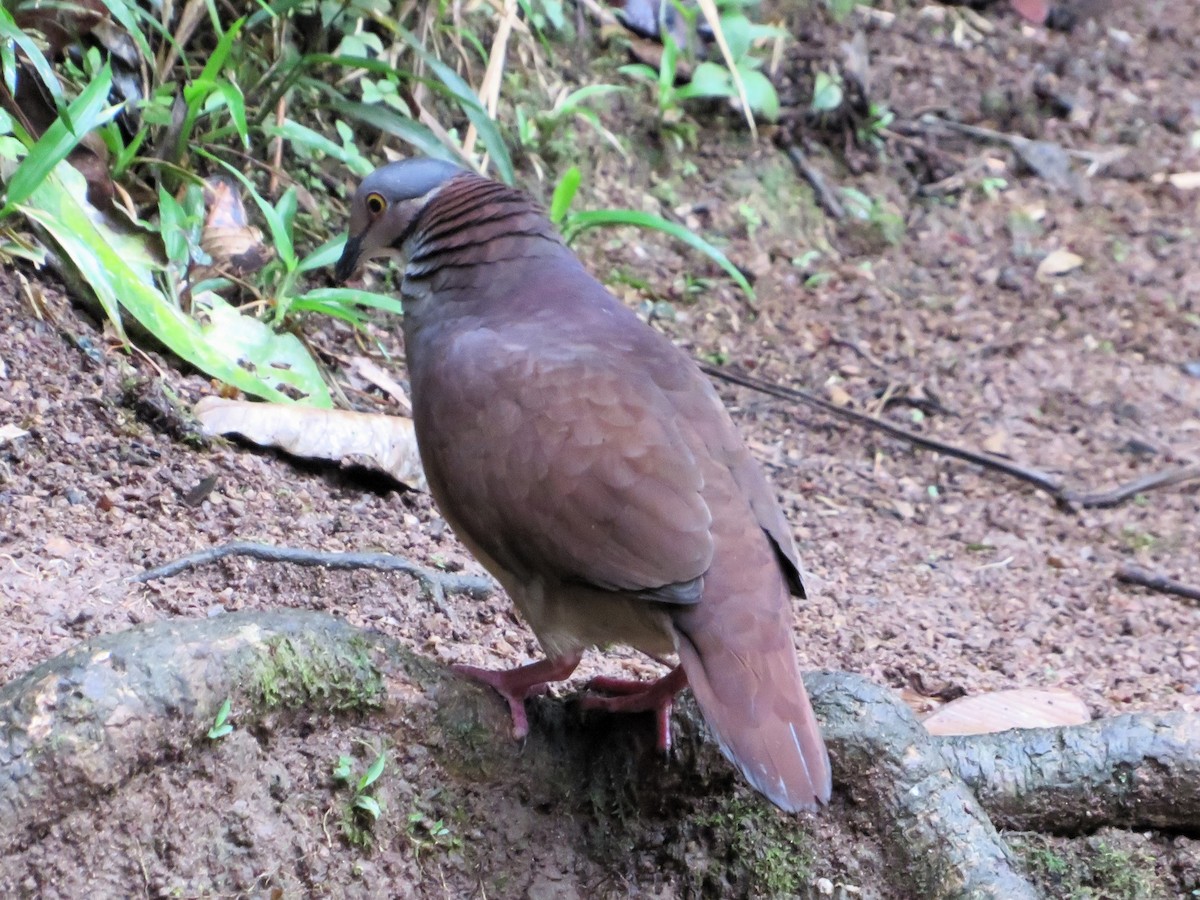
290, 675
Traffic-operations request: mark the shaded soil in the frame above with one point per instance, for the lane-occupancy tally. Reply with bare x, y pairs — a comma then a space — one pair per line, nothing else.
929, 575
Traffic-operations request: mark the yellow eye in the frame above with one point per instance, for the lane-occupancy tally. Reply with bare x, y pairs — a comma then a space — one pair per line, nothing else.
376, 204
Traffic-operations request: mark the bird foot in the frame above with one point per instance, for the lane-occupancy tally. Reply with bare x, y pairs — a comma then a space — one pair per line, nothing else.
515, 685
631, 695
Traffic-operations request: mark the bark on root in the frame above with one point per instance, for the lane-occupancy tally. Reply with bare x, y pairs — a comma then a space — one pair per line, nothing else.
82, 724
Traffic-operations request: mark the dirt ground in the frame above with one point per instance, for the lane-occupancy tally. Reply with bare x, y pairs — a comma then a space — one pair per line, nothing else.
929, 574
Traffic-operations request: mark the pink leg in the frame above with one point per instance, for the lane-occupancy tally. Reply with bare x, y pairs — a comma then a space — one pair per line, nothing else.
640, 696
514, 685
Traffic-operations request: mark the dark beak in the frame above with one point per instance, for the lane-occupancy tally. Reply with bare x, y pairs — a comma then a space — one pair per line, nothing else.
349, 262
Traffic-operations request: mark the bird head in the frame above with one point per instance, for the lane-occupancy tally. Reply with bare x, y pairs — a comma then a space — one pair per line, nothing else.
386, 208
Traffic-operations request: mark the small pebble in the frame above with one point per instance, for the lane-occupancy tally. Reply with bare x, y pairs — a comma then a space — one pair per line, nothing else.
824, 887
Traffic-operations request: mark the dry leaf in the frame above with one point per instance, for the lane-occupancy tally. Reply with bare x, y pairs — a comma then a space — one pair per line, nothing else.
1002, 710
997, 442
385, 443
838, 396
1058, 262
1185, 181
11, 432
234, 245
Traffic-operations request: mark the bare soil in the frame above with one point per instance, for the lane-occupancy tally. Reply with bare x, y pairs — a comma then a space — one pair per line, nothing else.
930, 575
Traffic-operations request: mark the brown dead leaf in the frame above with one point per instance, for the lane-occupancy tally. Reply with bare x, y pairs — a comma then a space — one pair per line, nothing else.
385, 443
1058, 262
235, 246
996, 443
1002, 710
838, 395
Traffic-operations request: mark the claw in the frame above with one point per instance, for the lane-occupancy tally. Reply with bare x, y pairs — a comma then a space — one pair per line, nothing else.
515, 685
630, 695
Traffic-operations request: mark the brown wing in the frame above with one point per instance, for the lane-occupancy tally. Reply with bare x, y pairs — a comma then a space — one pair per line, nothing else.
564, 461
699, 404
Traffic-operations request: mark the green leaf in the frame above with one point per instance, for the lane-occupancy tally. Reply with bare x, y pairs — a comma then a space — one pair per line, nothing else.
237, 349
760, 94
564, 193
709, 80
391, 122
581, 221
87, 111
348, 297
369, 805
220, 726
827, 92
342, 768
237, 109
372, 774
9, 32
324, 256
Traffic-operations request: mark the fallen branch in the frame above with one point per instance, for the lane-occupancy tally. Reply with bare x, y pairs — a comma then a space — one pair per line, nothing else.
1048, 484
1156, 582
435, 585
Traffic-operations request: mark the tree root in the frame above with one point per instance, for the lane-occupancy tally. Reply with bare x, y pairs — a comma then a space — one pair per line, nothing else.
1133, 771
83, 724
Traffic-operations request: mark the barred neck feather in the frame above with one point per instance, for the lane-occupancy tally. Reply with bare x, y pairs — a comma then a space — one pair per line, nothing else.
471, 223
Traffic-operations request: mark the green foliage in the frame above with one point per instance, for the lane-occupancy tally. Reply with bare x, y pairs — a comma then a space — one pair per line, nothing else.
361, 809
574, 224
714, 79
221, 725
221, 95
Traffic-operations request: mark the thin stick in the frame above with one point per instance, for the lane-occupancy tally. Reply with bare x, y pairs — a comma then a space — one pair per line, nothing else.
828, 200
1156, 582
434, 584
1043, 481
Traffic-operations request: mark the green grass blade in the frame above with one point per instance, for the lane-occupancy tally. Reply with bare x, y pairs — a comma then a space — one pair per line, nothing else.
489, 131
564, 193
353, 297
582, 221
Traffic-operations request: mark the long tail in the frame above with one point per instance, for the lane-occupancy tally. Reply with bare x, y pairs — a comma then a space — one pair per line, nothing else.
748, 686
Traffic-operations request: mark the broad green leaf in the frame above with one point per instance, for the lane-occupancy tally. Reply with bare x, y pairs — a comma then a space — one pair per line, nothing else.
279, 359
827, 92
324, 256
88, 111
760, 94
408, 130
237, 109
710, 79
369, 805
120, 271
581, 221
9, 32
373, 773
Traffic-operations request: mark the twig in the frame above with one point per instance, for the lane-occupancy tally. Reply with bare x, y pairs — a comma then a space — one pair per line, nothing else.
434, 585
1049, 484
1040, 480
1156, 582
828, 200
1118, 495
